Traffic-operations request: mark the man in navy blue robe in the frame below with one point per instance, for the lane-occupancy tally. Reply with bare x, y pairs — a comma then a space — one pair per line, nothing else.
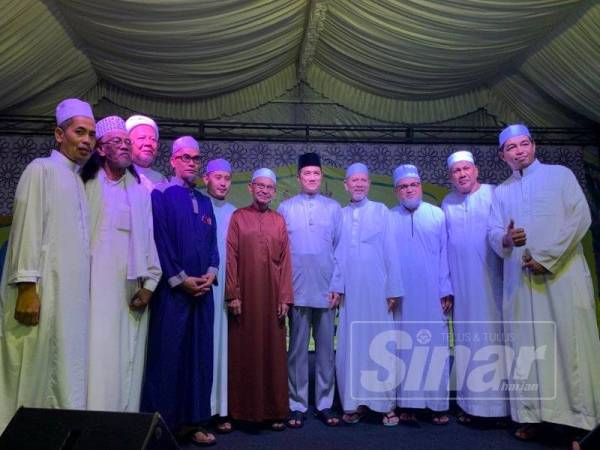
180, 337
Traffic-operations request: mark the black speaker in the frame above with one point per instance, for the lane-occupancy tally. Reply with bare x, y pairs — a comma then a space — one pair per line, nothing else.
54, 429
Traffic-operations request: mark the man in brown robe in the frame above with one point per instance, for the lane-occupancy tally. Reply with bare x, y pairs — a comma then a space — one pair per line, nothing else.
258, 291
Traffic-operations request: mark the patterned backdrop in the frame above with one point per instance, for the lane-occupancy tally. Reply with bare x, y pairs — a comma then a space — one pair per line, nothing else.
16, 151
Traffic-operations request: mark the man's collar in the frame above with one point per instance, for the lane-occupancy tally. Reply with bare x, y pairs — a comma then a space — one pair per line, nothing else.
64, 161
306, 196
359, 204
528, 170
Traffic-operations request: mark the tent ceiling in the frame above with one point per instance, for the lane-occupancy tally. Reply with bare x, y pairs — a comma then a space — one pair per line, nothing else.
409, 61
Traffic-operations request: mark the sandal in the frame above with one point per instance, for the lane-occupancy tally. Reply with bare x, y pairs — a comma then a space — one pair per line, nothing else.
208, 441
295, 419
390, 419
440, 418
408, 418
329, 417
223, 425
464, 419
354, 417
528, 432
278, 426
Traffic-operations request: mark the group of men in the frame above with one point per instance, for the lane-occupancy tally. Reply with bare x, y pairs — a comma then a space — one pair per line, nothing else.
125, 291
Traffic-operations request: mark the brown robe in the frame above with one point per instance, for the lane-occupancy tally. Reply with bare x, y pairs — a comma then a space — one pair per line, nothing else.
259, 273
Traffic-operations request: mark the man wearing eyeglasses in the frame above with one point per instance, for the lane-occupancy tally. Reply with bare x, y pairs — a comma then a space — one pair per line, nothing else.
259, 293
420, 230
538, 219
44, 293
125, 271
179, 363
144, 135
476, 273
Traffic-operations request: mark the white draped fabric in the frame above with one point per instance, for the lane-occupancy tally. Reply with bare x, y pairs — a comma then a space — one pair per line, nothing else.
415, 61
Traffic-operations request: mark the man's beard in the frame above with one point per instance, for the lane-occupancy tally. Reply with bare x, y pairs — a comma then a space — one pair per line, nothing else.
411, 203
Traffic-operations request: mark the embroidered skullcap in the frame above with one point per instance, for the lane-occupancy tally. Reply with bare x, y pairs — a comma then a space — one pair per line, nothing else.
108, 124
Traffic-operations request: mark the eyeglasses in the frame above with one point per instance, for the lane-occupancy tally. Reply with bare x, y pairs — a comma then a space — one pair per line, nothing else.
264, 187
404, 187
187, 159
118, 141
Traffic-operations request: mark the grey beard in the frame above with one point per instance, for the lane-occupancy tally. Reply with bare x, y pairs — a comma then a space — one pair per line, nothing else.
411, 203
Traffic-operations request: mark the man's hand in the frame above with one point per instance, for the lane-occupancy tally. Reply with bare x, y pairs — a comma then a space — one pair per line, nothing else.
514, 237
140, 299
529, 263
207, 282
235, 306
192, 285
282, 310
392, 303
334, 299
27, 309
447, 303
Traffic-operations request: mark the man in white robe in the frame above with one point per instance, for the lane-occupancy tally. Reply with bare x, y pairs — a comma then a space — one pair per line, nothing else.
420, 230
44, 292
125, 271
538, 218
476, 274
367, 255
217, 179
143, 133
313, 223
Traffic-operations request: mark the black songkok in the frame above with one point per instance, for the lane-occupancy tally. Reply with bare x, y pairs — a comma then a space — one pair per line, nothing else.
308, 159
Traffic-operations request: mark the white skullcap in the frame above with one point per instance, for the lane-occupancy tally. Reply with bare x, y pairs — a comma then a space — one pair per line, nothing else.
405, 171
355, 168
184, 142
461, 155
72, 107
221, 165
136, 120
110, 123
264, 172
513, 131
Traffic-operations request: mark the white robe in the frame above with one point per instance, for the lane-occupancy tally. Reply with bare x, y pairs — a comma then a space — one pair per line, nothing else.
476, 273
218, 396
421, 240
548, 203
150, 177
45, 366
368, 259
121, 211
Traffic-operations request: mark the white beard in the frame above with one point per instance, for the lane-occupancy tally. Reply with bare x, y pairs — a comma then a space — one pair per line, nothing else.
411, 203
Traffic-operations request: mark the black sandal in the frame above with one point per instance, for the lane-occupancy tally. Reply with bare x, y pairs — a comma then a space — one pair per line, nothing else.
327, 415
198, 443
223, 425
296, 416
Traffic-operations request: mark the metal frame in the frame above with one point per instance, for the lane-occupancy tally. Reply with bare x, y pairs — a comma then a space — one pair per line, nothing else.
399, 134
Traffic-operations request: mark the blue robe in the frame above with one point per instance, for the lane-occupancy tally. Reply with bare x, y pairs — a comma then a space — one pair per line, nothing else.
179, 364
